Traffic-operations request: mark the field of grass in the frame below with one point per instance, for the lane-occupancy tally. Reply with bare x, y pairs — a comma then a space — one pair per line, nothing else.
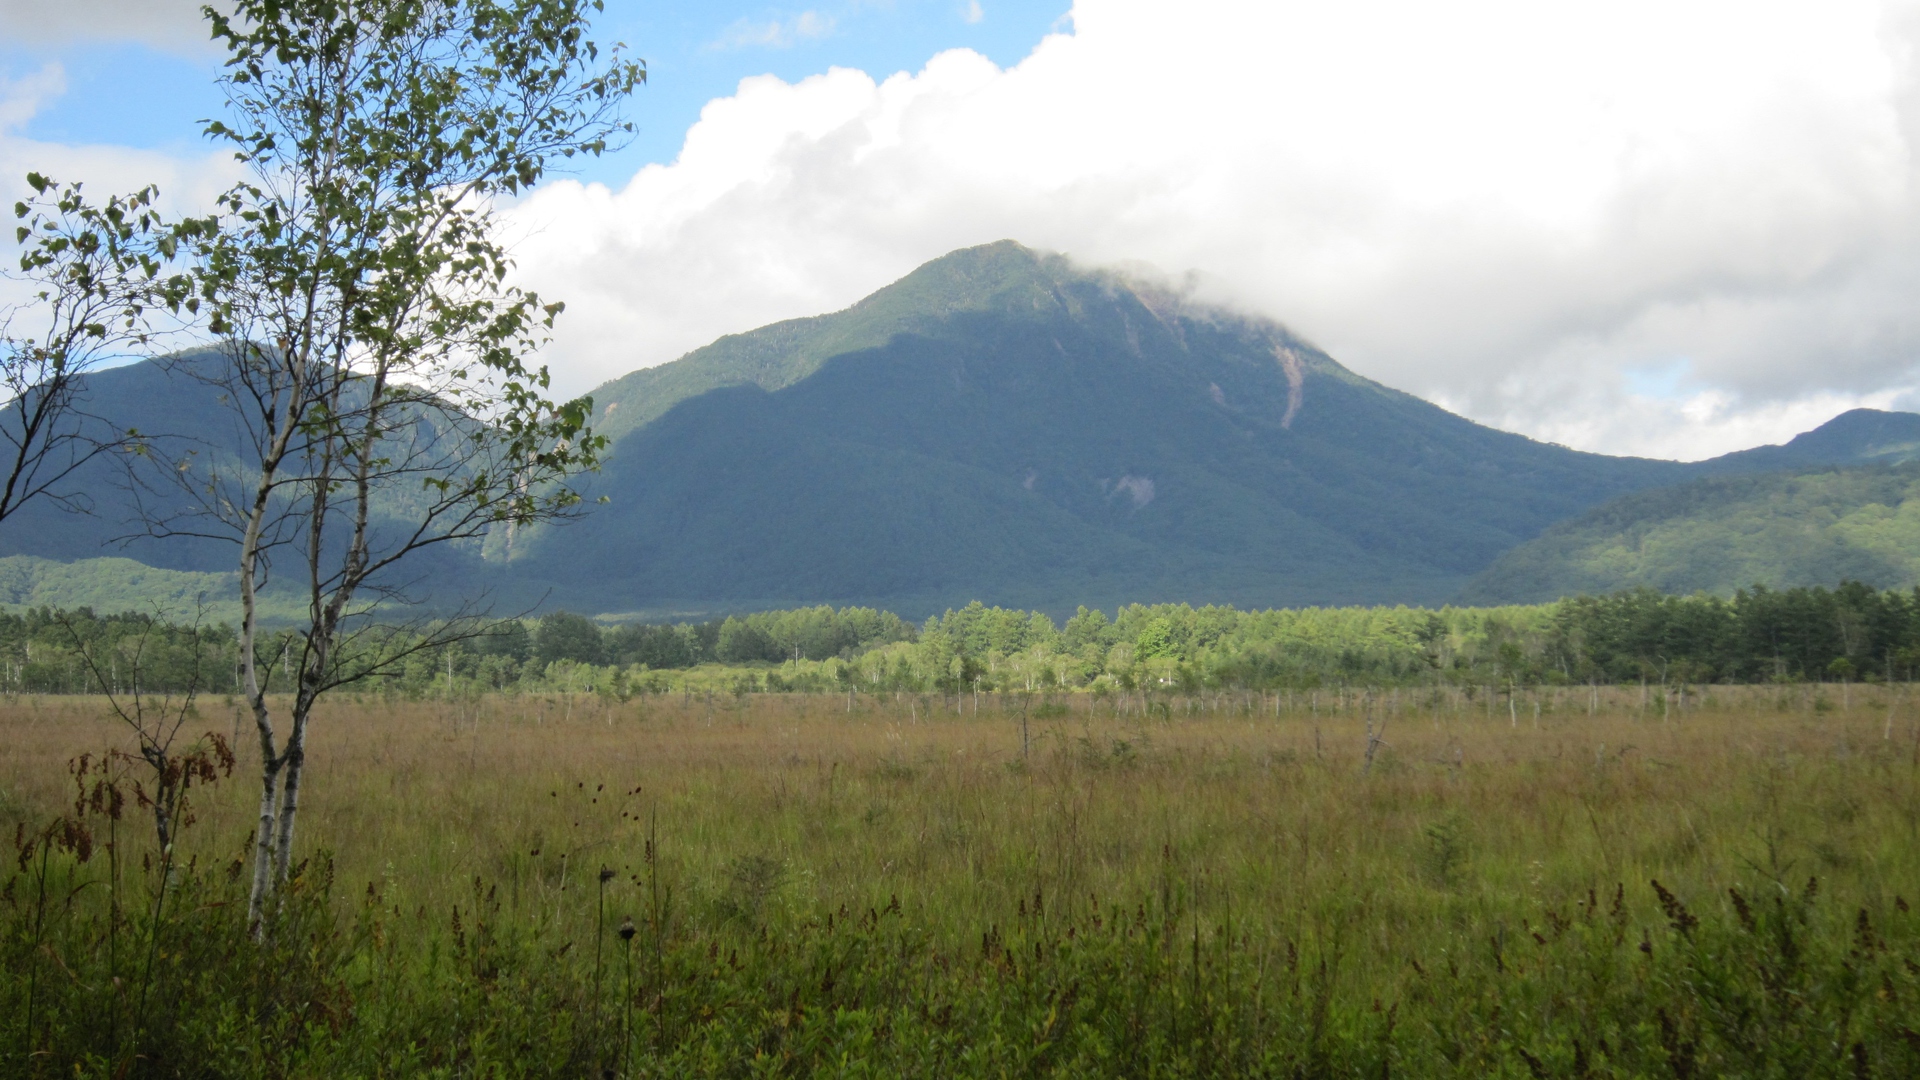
1335, 884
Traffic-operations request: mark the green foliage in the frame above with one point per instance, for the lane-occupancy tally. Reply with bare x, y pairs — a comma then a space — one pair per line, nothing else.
1156, 640
1720, 535
41, 652
93, 273
1080, 992
1445, 852
655, 646
509, 640
367, 346
565, 636
106, 583
117, 584
1761, 635
741, 642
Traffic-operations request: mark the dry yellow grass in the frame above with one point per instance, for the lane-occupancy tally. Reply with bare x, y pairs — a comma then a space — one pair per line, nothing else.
772, 807
1229, 885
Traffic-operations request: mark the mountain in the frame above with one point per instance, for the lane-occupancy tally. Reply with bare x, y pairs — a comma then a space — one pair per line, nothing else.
1721, 534
177, 409
149, 397
1001, 425
1860, 435
1005, 425
111, 584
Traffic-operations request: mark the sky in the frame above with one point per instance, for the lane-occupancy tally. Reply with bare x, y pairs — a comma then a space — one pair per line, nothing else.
1672, 229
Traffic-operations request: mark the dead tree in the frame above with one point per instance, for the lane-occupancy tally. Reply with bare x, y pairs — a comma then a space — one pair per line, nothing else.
156, 716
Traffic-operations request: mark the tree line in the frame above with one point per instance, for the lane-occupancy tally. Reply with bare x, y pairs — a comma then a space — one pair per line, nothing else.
1852, 632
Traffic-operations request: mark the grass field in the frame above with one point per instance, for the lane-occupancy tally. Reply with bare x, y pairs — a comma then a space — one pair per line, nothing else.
1341, 884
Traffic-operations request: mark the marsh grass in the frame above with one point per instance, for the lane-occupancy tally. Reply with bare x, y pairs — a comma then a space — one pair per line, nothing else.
1360, 885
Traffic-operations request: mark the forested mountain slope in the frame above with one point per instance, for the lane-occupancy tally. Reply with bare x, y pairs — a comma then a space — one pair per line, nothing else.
1863, 436
999, 425
153, 506
120, 493
1718, 535
1004, 425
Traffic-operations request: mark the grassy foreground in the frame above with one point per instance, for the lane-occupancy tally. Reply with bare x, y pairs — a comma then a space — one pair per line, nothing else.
1404, 883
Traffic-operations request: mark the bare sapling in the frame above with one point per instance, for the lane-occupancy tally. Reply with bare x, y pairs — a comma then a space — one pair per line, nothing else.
156, 719
1375, 740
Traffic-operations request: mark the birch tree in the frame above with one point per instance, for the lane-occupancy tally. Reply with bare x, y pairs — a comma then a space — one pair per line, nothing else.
377, 368
92, 274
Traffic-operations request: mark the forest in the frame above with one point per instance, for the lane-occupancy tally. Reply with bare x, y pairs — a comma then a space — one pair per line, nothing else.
1716, 534
1847, 633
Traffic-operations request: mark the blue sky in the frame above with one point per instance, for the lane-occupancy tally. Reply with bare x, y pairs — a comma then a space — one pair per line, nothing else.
134, 94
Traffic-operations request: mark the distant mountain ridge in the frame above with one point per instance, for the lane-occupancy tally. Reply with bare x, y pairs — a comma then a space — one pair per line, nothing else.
1866, 436
1004, 425
1721, 534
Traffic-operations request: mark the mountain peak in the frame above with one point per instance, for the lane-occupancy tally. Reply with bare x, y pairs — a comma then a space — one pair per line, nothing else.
1004, 275
781, 354
1008, 425
1872, 434
1003, 278
970, 274
1857, 436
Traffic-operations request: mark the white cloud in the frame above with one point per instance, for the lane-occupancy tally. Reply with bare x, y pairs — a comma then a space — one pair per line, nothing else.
775, 33
21, 98
1503, 205
169, 24
972, 14
186, 185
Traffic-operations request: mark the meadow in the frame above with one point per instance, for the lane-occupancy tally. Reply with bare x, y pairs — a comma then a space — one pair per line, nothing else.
1583, 881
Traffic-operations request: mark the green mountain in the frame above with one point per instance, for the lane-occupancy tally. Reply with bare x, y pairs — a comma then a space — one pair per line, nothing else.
178, 411
109, 584
999, 425
1722, 534
152, 398
1865, 436
1002, 424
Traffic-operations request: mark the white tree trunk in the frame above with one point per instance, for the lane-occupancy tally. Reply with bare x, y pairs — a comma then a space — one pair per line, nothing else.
271, 761
295, 758
262, 850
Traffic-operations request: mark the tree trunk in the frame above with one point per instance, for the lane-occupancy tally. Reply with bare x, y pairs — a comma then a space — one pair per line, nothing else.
270, 759
295, 758
263, 843
270, 765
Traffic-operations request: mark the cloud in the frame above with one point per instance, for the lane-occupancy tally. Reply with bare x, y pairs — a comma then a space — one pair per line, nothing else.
775, 33
22, 97
186, 184
170, 24
1505, 206
971, 13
